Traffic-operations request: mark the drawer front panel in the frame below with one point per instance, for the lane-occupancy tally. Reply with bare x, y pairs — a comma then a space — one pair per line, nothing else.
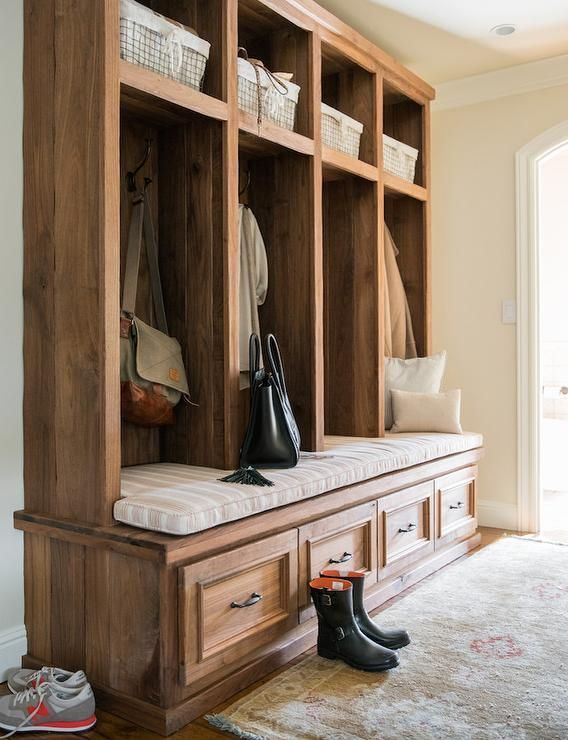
233, 604
344, 541
232, 610
406, 528
456, 505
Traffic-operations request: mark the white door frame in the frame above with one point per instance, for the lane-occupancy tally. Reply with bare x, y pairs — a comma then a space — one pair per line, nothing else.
528, 325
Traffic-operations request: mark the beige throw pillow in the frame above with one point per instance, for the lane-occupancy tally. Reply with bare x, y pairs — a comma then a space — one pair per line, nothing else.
419, 374
426, 412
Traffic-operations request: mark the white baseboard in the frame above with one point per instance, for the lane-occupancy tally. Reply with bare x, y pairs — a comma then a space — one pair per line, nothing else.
13, 644
497, 515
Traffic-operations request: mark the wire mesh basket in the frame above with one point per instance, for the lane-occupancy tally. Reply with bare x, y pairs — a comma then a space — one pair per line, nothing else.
399, 159
265, 95
340, 132
160, 45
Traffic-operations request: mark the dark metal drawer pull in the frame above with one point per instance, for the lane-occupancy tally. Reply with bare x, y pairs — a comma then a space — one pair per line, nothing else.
410, 528
459, 505
254, 599
343, 559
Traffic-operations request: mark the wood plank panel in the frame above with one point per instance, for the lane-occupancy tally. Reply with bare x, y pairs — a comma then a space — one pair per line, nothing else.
405, 218
282, 200
80, 389
38, 596
139, 445
39, 257
122, 612
192, 266
352, 351
67, 604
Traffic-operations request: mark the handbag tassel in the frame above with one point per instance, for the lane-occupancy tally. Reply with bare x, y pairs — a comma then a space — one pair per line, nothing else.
248, 476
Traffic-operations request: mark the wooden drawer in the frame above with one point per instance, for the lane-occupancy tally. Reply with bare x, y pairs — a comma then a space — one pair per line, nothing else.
456, 505
406, 528
345, 541
222, 620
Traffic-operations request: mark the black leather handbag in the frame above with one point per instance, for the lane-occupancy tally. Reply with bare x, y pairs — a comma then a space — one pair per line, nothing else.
272, 439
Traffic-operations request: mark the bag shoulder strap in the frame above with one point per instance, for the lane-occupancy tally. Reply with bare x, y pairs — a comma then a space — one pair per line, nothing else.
141, 226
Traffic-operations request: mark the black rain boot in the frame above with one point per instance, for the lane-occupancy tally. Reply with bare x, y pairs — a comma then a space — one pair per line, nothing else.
393, 639
338, 633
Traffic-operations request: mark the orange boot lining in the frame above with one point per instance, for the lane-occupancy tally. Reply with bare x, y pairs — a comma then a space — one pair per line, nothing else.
333, 584
341, 574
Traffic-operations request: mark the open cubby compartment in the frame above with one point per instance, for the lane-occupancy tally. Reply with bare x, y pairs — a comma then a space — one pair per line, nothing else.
282, 47
207, 17
406, 219
404, 119
279, 192
351, 89
352, 328
186, 199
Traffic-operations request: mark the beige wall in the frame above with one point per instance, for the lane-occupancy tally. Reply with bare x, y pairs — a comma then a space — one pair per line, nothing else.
474, 268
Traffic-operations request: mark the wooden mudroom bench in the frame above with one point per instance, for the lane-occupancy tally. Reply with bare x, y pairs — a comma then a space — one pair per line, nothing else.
150, 615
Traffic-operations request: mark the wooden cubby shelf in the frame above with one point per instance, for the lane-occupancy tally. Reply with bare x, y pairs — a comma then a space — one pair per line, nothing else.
322, 216
337, 164
165, 101
397, 187
270, 139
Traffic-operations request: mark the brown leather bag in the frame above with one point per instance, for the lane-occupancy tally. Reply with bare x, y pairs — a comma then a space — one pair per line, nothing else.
152, 373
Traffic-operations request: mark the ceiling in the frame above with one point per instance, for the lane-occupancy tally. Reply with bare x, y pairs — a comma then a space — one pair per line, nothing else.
443, 40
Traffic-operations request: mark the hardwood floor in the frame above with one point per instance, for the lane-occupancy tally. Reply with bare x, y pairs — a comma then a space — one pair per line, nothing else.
110, 727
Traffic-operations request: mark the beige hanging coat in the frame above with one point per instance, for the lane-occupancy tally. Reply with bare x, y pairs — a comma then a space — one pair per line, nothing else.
399, 336
253, 284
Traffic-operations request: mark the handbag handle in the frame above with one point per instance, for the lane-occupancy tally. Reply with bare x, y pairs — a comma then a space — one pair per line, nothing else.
254, 357
275, 361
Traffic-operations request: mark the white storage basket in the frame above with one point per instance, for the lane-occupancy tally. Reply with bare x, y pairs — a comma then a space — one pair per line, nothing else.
160, 45
340, 132
399, 159
274, 100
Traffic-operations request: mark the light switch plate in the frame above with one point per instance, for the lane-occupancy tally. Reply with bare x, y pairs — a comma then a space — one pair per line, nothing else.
509, 311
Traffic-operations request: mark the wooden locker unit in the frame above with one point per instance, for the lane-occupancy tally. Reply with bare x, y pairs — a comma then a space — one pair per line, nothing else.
87, 118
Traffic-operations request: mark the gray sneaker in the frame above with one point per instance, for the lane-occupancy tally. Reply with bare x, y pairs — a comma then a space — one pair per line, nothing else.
24, 678
49, 708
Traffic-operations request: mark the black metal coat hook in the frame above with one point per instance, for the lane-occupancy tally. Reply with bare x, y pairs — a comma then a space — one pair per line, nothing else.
131, 176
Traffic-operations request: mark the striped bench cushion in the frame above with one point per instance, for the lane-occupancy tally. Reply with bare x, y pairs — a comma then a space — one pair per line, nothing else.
182, 499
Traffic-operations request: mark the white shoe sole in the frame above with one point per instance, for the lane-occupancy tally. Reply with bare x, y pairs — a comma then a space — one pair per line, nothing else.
54, 726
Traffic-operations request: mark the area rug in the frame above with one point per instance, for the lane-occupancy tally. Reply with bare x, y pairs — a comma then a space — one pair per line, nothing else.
488, 660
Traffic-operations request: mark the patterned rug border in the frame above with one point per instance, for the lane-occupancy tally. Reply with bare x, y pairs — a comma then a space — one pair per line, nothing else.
222, 722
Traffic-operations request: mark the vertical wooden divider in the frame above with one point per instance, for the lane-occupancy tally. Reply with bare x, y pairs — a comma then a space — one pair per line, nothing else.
353, 240
72, 288
427, 228
232, 407
379, 80
314, 123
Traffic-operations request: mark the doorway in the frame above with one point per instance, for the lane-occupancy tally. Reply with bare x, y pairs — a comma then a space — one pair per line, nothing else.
542, 334
553, 277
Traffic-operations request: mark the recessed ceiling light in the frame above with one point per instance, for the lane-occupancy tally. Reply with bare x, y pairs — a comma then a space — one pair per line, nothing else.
504, 29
